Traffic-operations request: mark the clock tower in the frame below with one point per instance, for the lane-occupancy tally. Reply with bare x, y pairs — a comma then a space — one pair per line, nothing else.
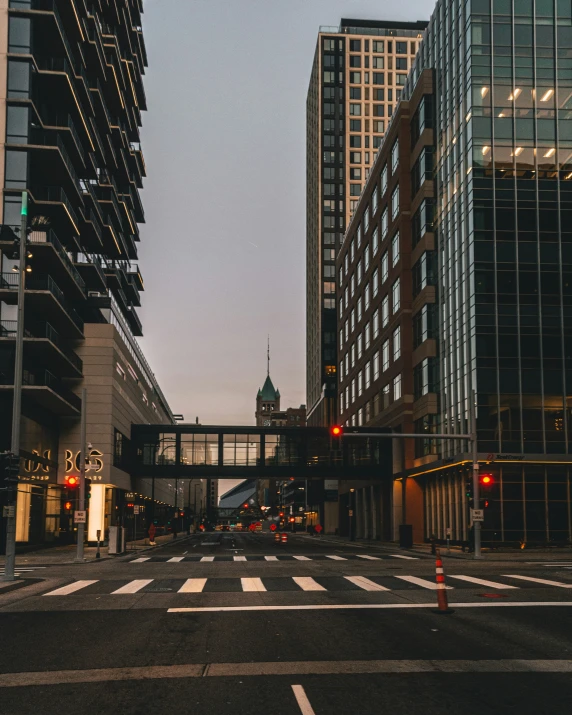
267, 400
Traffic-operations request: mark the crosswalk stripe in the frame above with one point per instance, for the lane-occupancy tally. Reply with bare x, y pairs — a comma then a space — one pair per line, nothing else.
431, 585
239, 558
271, 558
140, 560
370, 558
336, 558
252, 584
401, 556
481, 581
302, 558
307, 583
70, 588
133, 586
193, 585
207, 558
365, 583
175, 559
539, 580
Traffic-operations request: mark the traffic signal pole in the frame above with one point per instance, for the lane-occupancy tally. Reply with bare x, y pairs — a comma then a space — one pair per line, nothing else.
471, 438
17, 402
83, 459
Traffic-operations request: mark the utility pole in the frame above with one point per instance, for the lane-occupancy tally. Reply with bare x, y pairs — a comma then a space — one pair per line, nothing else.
476, 483
17, 402
83, 460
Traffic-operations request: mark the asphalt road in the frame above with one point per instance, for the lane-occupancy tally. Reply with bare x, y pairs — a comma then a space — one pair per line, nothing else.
233, 623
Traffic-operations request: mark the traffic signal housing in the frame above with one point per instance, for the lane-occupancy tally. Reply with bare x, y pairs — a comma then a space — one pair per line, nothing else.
486, 482
88, 488
336, 432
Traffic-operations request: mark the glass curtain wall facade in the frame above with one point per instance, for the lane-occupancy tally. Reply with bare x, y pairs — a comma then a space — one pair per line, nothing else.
503, 182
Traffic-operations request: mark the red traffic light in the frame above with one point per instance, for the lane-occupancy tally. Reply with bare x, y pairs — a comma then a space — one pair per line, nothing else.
281, 513
336, 431
245, 506
68, 505
291, 519
487, 480
72, 482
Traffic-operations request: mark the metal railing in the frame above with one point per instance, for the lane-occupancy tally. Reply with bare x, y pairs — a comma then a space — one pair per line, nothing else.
42, 330
92, 260
57, 195
66, 122
48, 283
50, 237
44, 378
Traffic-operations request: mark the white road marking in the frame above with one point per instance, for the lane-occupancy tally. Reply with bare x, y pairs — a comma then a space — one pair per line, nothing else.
539, 580
193, 585
289, 668
271, 558
239, 558
133, 586
209, 543
482, 582
302, 558
431, 585
207, 558
307, 583
365, 583
400, 556
376, 606
70, 588
175, 559
302, 700
252, 584
336, 558
140, 561
365, 556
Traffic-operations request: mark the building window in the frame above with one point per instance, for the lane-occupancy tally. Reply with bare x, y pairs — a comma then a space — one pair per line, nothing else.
358, 236
355, 92
353, 391
385, 356
366, 298
346, 330
375, 282
355, 189
422, 221
400, 80
359, 309
379, 78
360, 383
385, 397
397, 343
375, 323
397, 387
395, 203
378, 126
355, 45
329, 287
401, 63
384, 181
355, 109
355, 174
375, 363
395, 250
384, 267
425, 377
353, 285
377, 63
395, 157
355, 157
378, 110
367, 335
120, 371
375, 241
355, 77
384, 224
355, 141
423, 272
374, 200
367, 375
396, 296
353, 320
424, 324
366, 218
329, 77
366, 257
346, 297
401, 48
385, 312
378, 45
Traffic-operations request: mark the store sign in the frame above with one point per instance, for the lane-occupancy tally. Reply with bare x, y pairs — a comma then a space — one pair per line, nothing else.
94, 463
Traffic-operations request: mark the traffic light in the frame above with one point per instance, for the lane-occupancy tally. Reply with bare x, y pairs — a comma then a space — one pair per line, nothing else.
486, 481
68, 505
469, 490
11, 468
487, 503
336, 437
245, 506
72, 482
281, 513
88, 488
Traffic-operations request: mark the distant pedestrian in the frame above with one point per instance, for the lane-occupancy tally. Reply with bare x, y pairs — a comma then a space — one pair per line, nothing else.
152, 534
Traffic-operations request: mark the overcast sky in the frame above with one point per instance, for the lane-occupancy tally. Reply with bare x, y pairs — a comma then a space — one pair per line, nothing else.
223, 250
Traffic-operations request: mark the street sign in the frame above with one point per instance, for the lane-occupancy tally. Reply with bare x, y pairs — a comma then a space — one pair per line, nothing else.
9, 512
272, 527
136, 509
80, 517
477, 514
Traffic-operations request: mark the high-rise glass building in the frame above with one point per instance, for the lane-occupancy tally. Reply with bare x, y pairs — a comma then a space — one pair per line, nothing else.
357, 77
498, 251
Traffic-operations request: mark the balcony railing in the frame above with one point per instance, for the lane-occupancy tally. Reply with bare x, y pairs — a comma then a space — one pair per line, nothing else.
10, 280
47, 139
51, 238
44, 378
92, 260
42, 330
65, 121
57, 195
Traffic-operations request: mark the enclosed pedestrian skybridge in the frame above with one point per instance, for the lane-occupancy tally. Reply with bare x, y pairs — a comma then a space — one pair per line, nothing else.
185, 451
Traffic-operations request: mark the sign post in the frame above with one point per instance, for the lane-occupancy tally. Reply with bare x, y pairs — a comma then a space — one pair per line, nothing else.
82, 460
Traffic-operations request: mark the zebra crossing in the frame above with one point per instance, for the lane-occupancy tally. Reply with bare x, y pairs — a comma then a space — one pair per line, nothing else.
257, 557
372, 583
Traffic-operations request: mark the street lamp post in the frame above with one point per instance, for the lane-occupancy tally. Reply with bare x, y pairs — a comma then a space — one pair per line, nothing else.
17, 400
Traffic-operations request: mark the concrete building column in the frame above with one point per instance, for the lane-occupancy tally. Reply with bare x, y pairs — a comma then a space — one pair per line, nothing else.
373, 495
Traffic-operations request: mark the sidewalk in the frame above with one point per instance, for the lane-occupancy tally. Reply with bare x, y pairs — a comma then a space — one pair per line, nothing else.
61, 555
506, 553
